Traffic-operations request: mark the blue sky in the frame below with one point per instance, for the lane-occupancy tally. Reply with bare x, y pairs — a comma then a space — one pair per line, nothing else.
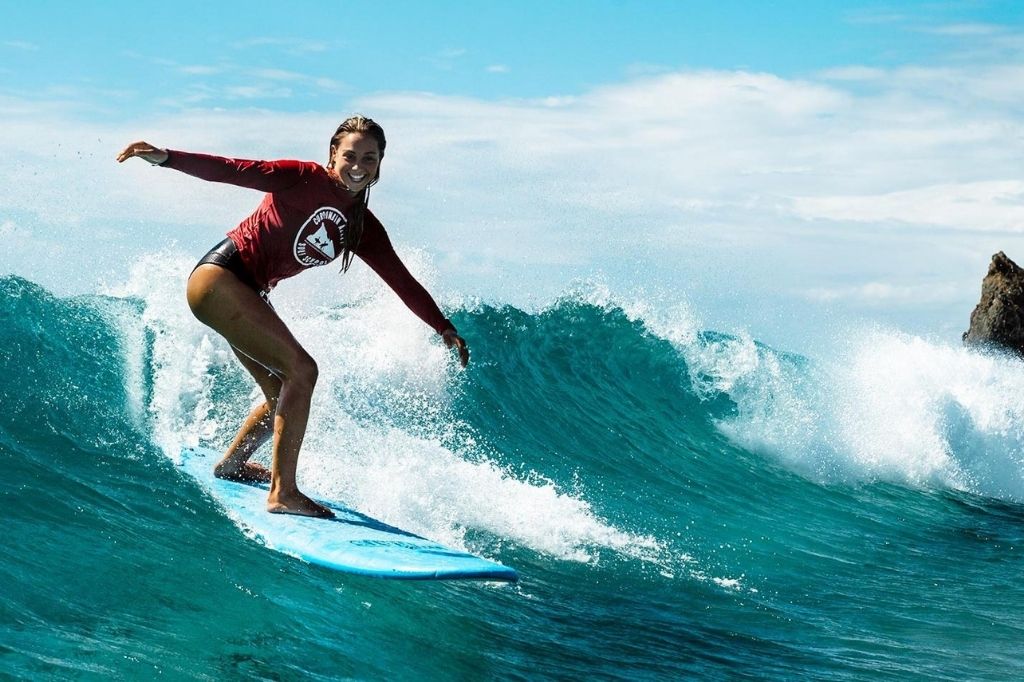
134, 53
777, 166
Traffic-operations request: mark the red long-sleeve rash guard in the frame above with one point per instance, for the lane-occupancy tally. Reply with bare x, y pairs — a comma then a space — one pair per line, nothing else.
300, 223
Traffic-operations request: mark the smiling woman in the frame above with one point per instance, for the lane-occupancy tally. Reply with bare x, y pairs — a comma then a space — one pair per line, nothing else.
310, 216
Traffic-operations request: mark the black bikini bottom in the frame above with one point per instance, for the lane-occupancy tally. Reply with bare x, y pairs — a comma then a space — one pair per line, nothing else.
226, 256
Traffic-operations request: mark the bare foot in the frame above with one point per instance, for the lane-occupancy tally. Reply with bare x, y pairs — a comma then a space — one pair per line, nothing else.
247, 472
297, 504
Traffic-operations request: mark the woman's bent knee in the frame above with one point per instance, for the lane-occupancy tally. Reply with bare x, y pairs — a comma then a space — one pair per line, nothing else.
303, 371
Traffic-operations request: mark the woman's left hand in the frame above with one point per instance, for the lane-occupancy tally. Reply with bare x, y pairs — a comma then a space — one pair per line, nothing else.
453, 340
143, 150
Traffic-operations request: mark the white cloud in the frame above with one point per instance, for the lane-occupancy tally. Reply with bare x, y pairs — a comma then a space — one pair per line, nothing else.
159, 61
497, 68
747, 142
278, 74
884, 293
992, 205
259, 83
20, 45
446, 59
874, 16
291, 45
329, 84
266, 85
201, 70
961, 30
707, 179
257, 91
853, 73
320, 82
755, 142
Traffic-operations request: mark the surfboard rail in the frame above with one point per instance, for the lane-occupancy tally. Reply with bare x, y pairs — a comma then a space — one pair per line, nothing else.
351, 542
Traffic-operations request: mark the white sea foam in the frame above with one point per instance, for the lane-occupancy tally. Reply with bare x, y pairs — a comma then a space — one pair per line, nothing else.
182, 352
933, 413
887, 406
375, 359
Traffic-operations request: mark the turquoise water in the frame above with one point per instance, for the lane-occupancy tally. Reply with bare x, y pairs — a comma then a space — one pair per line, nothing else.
678, 502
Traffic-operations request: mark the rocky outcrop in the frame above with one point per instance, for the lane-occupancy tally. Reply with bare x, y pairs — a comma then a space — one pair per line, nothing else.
998, 320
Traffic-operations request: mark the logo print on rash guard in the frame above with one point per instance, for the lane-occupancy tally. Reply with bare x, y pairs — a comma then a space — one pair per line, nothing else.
316, 242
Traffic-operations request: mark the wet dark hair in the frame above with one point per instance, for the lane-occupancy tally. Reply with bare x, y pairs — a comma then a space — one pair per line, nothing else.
354, 229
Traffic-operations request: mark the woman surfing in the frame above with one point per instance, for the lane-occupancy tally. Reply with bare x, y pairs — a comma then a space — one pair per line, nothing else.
310, 216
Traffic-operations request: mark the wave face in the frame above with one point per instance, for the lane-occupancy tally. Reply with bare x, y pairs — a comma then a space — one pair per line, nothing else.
679, 502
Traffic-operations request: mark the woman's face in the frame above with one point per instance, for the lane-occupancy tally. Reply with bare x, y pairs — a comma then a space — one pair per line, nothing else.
356, 160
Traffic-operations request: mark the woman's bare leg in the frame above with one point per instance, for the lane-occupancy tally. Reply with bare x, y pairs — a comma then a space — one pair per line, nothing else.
255, 431
219, 300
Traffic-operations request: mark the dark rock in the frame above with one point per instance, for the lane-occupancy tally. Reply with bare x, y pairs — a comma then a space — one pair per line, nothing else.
998, 320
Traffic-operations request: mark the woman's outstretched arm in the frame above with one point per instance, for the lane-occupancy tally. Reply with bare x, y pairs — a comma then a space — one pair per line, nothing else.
377, 252
266, 176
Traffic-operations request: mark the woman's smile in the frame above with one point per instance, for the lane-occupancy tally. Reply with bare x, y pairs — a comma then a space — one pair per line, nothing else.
356, 160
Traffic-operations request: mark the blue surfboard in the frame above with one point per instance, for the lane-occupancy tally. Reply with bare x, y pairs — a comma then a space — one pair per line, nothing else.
350, 542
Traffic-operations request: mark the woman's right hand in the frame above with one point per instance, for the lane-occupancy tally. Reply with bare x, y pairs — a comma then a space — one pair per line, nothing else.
453, 340
143, 150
